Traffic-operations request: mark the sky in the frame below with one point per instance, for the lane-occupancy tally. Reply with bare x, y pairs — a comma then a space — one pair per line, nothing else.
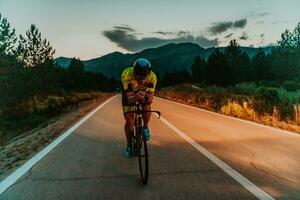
93, 28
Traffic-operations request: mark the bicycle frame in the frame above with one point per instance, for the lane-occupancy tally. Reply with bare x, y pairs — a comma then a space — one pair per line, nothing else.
139, 142
138, 118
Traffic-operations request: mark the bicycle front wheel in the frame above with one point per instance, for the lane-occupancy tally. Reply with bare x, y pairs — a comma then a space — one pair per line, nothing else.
143, 158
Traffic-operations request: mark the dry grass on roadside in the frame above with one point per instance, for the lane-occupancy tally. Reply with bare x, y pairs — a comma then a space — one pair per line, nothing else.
220, 102
243, 111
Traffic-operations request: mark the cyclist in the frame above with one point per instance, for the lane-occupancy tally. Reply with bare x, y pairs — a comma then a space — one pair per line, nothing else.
139, 83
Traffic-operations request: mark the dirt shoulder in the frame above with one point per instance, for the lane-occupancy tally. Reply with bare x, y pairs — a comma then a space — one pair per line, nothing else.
25, 146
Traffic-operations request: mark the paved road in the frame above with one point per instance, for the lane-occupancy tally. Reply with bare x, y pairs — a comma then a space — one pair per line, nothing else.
89, 164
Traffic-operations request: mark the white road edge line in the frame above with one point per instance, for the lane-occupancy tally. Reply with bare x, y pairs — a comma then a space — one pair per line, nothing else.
12, 178
251, 187
241, 120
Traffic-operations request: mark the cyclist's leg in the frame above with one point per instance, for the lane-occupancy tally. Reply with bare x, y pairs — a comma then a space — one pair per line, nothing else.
129, 126
129, 117
129, 130
146, 119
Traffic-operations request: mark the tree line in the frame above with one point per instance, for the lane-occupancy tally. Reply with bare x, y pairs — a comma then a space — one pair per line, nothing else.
27, 69
231, 66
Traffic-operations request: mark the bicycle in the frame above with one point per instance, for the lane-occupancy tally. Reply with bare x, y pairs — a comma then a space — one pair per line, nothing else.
138, 141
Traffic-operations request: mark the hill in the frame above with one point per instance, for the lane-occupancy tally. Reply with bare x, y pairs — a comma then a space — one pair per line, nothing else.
169, 57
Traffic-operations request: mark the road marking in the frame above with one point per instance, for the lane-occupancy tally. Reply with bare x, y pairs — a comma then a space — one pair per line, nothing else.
251, 187
241, 120
12, 178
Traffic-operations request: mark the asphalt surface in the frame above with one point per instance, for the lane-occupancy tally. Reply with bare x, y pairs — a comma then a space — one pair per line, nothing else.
89, 164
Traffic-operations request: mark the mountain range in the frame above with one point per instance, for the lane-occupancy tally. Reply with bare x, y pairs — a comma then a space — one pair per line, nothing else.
169, 57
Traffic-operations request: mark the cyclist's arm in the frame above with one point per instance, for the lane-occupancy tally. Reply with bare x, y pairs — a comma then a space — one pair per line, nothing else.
127, 87
125, 79
150, 87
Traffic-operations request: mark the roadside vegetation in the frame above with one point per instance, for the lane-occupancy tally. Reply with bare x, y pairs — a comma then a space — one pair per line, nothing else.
265, 106
33, 89
265, 88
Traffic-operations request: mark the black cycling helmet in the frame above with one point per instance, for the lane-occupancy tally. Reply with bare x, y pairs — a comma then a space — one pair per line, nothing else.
142, 68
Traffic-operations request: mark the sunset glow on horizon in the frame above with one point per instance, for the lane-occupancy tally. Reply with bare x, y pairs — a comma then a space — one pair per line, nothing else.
89, 29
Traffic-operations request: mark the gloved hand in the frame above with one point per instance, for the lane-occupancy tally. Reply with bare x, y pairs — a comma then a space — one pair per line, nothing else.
140, 95
131, 97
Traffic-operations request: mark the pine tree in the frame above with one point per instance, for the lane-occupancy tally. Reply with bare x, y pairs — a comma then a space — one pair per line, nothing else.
238, 63
76, 73
217, 69
286, 43
296, 36
199, 69
167, 80
283, 63
261, 68
33, 50
76, 66
7, 37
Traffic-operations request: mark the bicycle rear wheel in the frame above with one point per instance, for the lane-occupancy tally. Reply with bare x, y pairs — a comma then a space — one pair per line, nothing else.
143, 157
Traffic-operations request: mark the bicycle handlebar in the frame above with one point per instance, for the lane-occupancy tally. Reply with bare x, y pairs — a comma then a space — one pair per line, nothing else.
143, 103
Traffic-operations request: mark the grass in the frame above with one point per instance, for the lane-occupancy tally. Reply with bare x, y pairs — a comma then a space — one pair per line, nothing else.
234, 101
240, 111
31, 113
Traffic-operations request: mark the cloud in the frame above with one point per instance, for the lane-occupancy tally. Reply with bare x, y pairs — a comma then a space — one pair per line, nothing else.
126, 40
163, 33
181, 33
258, 15
178, 33
124, 28
244, 36
240, 23
263, 14
229, 35
220, 27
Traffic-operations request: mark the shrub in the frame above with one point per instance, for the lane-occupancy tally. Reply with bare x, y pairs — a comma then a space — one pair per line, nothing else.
55, 101
286, 109
237, 110
291, 85
71, 100
247, 88
265, 98
83, 96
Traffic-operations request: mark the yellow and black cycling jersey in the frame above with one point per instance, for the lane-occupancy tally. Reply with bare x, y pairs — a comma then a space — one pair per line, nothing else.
130, 83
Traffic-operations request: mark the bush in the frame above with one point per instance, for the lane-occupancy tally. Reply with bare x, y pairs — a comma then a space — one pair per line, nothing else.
286, 109
245, 88
265, 99
83, 96
237, 110
268, 100
55, 101
291, 85
72, 100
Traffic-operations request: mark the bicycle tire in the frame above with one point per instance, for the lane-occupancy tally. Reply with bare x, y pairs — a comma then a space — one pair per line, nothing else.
143, 157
